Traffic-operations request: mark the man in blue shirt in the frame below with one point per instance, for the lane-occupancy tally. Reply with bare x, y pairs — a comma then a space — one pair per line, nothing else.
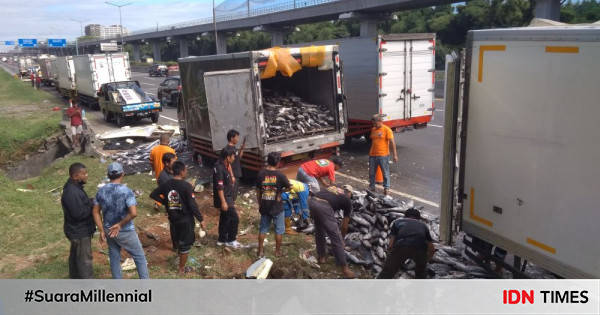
118, 206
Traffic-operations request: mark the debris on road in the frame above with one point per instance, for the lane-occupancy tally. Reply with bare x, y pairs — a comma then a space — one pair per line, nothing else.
259, 269
136, 160
129, 132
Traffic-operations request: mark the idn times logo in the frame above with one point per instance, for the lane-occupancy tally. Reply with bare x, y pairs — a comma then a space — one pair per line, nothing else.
545, 296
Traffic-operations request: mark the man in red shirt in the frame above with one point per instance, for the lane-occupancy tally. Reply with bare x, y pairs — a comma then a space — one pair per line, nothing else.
32, 77
74, 112
315, 171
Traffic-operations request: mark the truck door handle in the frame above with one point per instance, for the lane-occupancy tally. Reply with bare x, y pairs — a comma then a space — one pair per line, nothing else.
414, 97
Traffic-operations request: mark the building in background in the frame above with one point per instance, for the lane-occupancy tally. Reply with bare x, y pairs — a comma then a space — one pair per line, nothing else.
97, 30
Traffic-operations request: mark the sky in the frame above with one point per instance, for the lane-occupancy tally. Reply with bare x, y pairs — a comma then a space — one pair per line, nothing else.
44, 19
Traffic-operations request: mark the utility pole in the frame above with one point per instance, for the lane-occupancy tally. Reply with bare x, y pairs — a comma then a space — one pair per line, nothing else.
120, 20
215, 26
81, 34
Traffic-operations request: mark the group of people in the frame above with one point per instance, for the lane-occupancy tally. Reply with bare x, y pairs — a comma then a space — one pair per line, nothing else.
313, 194
36, 78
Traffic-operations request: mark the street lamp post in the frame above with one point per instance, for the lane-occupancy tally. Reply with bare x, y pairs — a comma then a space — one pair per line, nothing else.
81, 33
120, 20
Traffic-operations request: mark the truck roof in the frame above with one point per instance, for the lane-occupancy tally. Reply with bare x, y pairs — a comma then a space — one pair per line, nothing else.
586, 33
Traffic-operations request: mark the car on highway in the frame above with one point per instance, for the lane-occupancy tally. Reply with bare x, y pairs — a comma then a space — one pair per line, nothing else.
158, 70
4, 59
169, 91
125, 100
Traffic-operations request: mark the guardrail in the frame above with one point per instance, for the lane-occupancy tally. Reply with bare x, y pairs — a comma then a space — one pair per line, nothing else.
257, 11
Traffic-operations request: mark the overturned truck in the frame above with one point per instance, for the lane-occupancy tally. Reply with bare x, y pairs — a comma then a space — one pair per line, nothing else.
284, 100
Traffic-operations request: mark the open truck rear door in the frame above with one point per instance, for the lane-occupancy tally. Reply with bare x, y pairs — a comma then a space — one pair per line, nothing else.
233, 107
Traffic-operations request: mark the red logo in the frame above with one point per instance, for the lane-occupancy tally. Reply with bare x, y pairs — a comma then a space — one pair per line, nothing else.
516, 297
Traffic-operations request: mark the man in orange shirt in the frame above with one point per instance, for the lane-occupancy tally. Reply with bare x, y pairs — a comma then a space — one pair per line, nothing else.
157, 153
382, 138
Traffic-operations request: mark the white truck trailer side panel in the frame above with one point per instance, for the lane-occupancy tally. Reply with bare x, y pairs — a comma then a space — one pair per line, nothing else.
64, 69
531, 158
95, 70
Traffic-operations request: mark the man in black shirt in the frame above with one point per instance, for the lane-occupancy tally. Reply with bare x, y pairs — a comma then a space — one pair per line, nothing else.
339, 199
233, 137
410, 239
79, 223
178, 197
224, 199
269, 186
167, 173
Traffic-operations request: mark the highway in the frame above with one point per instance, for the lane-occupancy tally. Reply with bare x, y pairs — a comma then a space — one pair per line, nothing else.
417, 174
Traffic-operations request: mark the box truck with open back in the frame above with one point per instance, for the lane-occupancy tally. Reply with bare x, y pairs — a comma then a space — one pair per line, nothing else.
521, 147
64, 70
48, 76
393, 75
301, 115
91, 71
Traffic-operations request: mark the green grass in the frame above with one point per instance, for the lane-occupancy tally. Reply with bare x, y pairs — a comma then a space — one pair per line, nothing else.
26, 118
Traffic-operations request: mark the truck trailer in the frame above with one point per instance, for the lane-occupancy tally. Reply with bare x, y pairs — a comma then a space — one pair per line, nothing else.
25, 64
64, 70
393, 75
48, 75
521, 148
242, 91
92, 71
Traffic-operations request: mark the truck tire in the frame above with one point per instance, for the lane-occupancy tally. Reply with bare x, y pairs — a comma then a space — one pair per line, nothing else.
154, 117
120, 120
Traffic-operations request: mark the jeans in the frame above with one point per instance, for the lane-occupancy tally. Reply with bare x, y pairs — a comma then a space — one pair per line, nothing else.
297, 206
307, 179
384, 163
80, 258
278, 221
228, 224
129, 241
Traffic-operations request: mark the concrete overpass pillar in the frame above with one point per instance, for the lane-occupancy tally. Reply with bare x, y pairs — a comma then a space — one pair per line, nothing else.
136, 52
276, 38
156, 50
221, 43
183, 48
547, 9
368, 27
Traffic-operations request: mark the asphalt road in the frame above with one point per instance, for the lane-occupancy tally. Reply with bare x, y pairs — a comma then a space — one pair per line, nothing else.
417, 174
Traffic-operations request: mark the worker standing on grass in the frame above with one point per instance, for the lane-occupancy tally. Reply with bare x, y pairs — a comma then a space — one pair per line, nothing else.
32, 78
79, 222
155, 158
295, 201
326, 225
178, 197
233, 137
410, 239
38, 80
269, 186
382, 138
74, 113
165, 175
315, 171
223, 199
118, 206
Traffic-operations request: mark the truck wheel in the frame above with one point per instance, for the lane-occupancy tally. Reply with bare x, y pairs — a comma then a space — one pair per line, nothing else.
154, 117
347, 142
120, 120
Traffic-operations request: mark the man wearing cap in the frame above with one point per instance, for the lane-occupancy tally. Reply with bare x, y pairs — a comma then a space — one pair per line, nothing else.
315, 171
410, 238
118, 206
382, 138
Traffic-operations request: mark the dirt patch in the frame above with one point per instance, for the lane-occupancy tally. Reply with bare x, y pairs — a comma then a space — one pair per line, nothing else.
20, 111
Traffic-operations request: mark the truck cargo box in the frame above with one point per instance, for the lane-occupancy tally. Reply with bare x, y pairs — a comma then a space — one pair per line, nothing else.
528, 153
231, 91
64, 69
91, 71
48, 75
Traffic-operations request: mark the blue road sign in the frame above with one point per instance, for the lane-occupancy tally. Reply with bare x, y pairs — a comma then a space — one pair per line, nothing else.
27, 42
60, 42
9, 42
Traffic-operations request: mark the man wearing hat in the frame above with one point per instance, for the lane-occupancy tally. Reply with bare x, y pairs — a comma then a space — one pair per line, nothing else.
118, 205
410, 240
382, 138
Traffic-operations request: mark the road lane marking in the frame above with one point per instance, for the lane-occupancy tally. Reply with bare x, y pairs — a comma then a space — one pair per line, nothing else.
171, 119
421, 200
439, 110
432, 125
147, 83
438, 99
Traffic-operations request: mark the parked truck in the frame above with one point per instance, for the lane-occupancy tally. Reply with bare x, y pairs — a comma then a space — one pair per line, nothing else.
393, 75
125, 100
241, 91
91, 71
521, 148
48, 75
64, 70
25, 64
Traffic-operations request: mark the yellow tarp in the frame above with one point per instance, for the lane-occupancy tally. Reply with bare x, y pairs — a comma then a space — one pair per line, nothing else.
280, 59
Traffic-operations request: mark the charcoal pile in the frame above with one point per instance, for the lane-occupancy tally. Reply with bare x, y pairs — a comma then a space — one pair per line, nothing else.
291, 117
137, 160
369, 233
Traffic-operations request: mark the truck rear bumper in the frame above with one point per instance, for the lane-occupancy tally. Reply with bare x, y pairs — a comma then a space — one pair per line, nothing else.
359, 127
142, 114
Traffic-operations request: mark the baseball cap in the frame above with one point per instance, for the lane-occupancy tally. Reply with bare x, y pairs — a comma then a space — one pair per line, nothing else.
115, 168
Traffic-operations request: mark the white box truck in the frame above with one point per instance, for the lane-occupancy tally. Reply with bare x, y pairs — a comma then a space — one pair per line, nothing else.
393, 75
521, 147
64, 70
91, 71
48, 75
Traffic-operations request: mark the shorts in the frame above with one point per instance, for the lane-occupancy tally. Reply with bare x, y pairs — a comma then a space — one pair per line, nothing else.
76, 130
183, 234
278, 220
